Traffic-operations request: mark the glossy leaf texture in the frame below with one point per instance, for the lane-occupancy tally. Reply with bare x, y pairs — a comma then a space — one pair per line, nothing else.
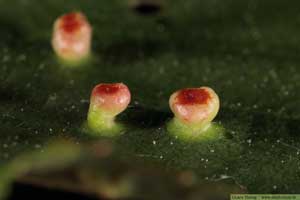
247, 51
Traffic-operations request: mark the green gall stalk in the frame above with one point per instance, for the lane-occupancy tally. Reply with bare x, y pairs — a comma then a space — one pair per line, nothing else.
107, 101
194, 109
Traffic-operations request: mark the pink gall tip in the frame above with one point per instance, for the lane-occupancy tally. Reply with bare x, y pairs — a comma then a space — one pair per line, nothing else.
195, 106
110, 98
72, 35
